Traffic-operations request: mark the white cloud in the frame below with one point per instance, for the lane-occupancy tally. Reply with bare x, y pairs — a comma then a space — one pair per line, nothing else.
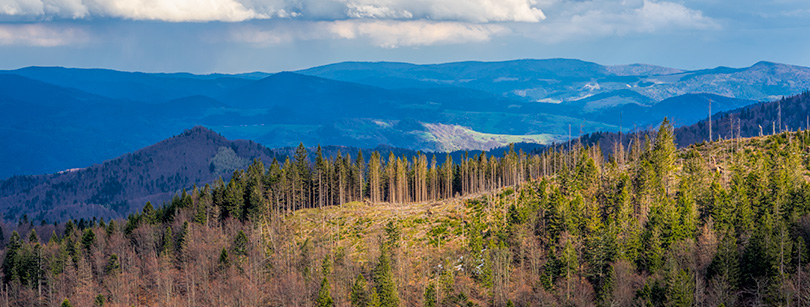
577, 20
392, 34
173, 10
380, 33
654, 15
240, 10
21, 7
40, 35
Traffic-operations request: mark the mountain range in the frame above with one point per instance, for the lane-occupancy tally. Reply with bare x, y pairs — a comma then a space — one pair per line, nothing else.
62, 118
199, 156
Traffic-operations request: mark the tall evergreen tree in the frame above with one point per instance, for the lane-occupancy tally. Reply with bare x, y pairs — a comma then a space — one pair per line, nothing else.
359, 295
324, 297
384, 280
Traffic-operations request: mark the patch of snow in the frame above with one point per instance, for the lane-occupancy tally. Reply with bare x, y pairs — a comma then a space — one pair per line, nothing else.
503, 79
582, 97
549, 100
592, 86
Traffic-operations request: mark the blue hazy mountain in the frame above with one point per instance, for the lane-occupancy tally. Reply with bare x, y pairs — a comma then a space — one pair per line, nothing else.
146, 87
59, 118
566, 80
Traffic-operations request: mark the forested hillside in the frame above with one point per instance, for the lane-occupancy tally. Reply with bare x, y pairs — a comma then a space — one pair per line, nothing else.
765, 118
722, 223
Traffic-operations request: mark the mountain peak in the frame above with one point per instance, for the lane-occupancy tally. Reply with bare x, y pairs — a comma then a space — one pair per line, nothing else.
199, 129
764, 63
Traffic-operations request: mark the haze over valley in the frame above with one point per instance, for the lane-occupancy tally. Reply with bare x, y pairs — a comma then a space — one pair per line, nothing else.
92, 115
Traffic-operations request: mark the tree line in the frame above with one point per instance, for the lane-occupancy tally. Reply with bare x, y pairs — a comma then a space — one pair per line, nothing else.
297, 183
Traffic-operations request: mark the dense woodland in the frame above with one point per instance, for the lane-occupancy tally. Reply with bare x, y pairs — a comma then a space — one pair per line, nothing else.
722, 223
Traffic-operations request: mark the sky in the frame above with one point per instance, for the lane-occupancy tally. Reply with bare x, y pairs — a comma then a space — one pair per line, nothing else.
233, 36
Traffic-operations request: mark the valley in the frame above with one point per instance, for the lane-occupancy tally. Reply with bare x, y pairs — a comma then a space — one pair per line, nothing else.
94, 115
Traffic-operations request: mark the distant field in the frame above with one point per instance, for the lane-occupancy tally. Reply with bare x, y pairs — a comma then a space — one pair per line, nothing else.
454, 137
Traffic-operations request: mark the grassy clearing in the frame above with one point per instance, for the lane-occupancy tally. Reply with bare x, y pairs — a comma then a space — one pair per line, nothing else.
454, 137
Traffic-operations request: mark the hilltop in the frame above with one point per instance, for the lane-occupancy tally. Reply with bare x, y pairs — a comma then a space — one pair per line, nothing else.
118, 186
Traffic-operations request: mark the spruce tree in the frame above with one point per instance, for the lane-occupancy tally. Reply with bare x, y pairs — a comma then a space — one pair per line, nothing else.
234, 197
224, 259
725, 264
88, 239
359, 295
113, 265
374, 301
10, 263
240, 244
33, 237
111, 227
324, 297
430, 295
167, 249
384, 279
149, 215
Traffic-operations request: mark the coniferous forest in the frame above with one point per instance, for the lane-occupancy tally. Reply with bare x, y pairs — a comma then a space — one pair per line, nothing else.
725, 223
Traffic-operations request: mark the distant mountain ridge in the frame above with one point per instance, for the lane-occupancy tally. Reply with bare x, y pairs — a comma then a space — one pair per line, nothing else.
570, 79
93, 115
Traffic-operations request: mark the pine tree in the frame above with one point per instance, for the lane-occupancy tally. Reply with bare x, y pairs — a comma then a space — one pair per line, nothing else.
183, 241
33, 237
234, 197
66, 303
324, 298
430, 295
88, 239
570, 263
168, 243
359, 295
725, 264
113, 266
149, 215
112, 227
10, 262
240, 244
384, 279
224, 259
326, 265
663, 155
374, 301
